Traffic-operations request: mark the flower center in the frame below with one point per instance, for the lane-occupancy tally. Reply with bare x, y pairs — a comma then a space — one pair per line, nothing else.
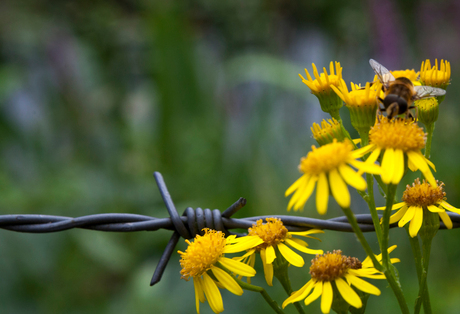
330, 266
273, 232
326, 158
423, 194
398, 134
202, 253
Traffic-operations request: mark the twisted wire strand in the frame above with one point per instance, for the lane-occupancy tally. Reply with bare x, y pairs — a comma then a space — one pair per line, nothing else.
186, 226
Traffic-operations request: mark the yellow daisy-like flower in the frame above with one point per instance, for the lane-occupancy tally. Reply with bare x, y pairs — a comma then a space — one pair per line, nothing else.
321, 86
362, 103
329, 166
342, 271
202, 257
396, 138
276, 236
418, 197
410, 74
435, 76
327, 132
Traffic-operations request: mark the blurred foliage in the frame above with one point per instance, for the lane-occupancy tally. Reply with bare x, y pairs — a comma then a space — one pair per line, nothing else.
96, 95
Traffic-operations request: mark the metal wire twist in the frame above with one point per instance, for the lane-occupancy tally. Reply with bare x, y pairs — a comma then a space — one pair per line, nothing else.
186, 226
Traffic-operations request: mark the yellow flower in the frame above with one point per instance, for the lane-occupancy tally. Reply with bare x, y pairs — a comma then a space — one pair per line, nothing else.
341, 271
327, 132
321, 86
418, 197
362, 103
276, 236
434, 76
410, 74
203, 257
398, 137
329, 166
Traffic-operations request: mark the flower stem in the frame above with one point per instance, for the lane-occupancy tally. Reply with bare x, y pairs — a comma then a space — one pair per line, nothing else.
357, 230
280, 270
423, 289
389, 268
247, 286
391, 192
429, 137
373, 209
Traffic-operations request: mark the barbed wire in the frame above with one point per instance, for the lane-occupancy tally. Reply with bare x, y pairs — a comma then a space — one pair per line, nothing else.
186, 226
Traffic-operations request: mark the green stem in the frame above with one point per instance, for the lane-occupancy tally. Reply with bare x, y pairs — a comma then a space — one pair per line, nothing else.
423, 289
429, 137
336, 116
247, 286
369, 197
389, 274
281, 273
373, 209
361, 238
391, 192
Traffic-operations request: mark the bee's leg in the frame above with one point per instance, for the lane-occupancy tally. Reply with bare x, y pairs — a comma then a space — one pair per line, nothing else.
410, 115
392, 110
379, 112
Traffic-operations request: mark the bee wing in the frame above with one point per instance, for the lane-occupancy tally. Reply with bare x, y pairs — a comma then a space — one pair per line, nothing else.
384, 75
427, 91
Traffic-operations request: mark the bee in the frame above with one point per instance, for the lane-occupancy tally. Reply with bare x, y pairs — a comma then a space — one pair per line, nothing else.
400, 93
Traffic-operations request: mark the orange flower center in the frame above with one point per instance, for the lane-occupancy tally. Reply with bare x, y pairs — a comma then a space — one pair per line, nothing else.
273, 232
330, 266
423, 194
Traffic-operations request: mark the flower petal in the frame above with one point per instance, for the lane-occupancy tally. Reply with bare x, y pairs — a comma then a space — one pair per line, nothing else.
237, 267
388, 165
398, 215
399, 166
316, 293
352, 178
306, 233
450, 207
416, 222
365, 167
306, 193
270, 254
268, 268
339, 189
326, 297
348, 294
291, 256
300, 294
296, 196
435, 209
227, 281
199, 293
358, 153
362, 285
395, 206
446, 220
301, 248
243, 244
298, 183
322, 194
407, 216
212, 294
419, 161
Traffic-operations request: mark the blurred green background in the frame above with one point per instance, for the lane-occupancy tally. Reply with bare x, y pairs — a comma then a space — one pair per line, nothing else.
96, 95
